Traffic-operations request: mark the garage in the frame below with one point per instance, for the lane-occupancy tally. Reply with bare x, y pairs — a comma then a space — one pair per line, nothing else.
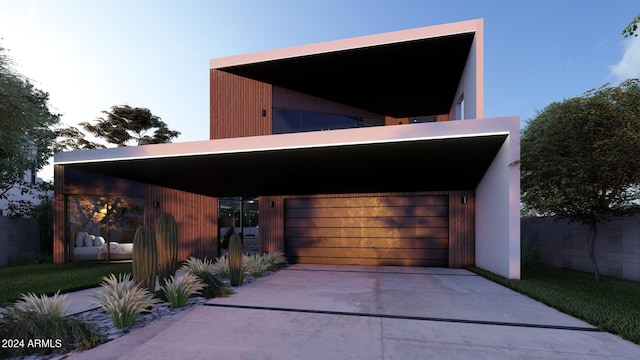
370, 230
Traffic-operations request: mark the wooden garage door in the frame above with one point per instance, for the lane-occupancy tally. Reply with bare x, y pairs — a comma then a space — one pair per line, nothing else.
384, 230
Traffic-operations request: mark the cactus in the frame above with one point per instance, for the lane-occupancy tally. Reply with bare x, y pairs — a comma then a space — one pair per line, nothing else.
145, 258
167, 239
235, 259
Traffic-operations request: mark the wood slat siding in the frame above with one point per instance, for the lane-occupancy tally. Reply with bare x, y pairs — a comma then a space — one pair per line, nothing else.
196, 217
60, 251
236, 106
377, 235
271, 231
462, 225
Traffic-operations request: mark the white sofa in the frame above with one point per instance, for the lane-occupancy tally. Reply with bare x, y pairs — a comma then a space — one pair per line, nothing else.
88, 247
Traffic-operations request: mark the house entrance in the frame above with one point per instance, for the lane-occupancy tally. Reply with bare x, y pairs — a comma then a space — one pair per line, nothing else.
238, 215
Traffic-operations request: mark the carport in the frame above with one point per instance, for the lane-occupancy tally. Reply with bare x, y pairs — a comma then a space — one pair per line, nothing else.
476, 155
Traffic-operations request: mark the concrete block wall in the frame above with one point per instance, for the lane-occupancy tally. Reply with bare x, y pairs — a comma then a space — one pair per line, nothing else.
17, 237
557, 243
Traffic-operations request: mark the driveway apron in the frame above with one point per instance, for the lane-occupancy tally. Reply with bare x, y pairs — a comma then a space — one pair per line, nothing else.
369, 312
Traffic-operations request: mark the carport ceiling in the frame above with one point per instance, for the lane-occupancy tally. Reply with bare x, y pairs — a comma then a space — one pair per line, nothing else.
417, 165
402, 79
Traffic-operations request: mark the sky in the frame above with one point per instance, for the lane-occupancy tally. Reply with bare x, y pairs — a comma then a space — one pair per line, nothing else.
90, 55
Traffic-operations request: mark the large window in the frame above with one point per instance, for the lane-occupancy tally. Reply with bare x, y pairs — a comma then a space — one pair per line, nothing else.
291, 121
101, 228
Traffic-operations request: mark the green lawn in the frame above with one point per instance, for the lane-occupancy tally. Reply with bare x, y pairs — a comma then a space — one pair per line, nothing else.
612, 305
49, 278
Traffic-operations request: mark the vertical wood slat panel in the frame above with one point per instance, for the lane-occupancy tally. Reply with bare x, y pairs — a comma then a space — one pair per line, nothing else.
271, 232
60, 251
196, 217
236, 106
462, 229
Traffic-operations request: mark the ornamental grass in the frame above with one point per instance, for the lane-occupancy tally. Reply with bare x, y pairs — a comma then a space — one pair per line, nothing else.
178, 290
253, 264
56, 305
21, 331
123, 299
195, 265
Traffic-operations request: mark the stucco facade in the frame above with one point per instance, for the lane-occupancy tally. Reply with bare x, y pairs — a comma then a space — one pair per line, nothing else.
335, 153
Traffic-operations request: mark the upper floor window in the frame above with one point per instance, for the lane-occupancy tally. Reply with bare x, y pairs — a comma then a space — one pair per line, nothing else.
424, 119
291, 121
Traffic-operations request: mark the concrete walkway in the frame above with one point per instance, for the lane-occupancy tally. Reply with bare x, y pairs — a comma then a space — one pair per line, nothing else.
359, 312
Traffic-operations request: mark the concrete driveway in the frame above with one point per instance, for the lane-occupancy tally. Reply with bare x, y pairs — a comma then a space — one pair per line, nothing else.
368, 312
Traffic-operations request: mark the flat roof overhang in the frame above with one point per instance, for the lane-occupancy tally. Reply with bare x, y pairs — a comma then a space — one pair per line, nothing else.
416, 157
405, 73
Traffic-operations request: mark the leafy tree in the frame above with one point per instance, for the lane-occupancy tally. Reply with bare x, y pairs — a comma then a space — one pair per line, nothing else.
124, 124
632, 28
26, 135
71, 138
580, 158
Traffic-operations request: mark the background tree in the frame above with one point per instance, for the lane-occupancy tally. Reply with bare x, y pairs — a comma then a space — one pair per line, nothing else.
632, 28
580, 158
26, 122
125, 124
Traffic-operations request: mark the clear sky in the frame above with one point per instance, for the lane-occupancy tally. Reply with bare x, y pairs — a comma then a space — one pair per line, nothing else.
90, 55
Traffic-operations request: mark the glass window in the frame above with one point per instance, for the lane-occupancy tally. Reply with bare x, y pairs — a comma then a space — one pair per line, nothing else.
312, 121
285, 121
102, 228
290, 121
344, 122
424, 119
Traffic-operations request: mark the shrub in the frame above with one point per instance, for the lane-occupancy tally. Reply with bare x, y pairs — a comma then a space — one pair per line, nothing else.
63, 334
123, 299
273, 260
214, 286
56, 305
221, 266
256, 264
253, 264
195, 265
204, 270
178, 290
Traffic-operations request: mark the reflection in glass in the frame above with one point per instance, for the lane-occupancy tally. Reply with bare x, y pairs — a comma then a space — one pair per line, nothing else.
285, 121
292, 121
102, 228
344, 122
312, 121
238, 215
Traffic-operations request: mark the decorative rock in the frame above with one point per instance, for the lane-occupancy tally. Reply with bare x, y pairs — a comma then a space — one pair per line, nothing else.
103, 321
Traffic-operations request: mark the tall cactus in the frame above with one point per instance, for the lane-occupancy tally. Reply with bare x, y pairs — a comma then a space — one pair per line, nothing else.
145, 258
235, 259
167, 239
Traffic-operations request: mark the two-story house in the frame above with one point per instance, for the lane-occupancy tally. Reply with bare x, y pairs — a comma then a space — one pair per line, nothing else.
371, 150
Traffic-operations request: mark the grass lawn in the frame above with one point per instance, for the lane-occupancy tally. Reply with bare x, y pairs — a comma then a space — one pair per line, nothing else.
49, 278
613, 305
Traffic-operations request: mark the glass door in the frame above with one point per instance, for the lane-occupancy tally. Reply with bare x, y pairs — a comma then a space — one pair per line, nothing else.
238, 215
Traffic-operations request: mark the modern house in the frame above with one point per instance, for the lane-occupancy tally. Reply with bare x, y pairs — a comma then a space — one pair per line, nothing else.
371, 150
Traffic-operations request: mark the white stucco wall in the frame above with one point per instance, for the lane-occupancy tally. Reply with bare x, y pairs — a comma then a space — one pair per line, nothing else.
471, 85
498, 213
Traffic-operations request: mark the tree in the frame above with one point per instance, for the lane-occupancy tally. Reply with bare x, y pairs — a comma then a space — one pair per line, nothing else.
124, 124
26, 135
580, 158
632, 28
